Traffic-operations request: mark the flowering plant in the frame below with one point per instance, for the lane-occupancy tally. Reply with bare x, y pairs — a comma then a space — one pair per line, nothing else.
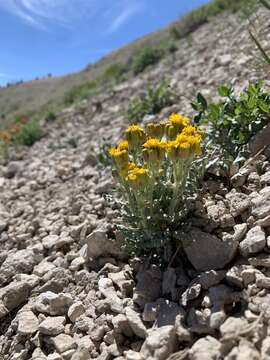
156, 169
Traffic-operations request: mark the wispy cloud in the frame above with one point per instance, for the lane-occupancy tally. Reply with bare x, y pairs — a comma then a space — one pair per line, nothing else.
42, 13
129, 11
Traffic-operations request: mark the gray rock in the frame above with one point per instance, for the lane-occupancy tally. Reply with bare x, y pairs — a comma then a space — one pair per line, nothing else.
50, 241
133, 355
261, 204
12, 169
216, 319
160, 343
246, 350
75, 311
254, 241
98, 244
167, 311
262, 282
182, 333
224, 60
207, 348
232, 326
148, 288
234, 275
210, 278
265, 178
238, 202
198, 322
106, 288
192, 292
123, 282
43, 267
207, 252
136, 323
63, 343
260, 260
265, 222
248, 276
22, 261
121, 325
27, 323
13, 295
52, 325
53, 304
265, 349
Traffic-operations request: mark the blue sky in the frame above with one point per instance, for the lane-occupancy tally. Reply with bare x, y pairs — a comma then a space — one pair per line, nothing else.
63, 36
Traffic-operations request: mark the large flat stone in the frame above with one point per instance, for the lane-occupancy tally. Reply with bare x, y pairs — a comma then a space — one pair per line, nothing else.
208, 252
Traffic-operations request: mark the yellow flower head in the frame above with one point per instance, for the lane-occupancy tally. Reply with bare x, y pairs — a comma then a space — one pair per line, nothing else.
123, 145
125, 170
138, 177
135, 136
194, 142
175, 124
154, 151
155, 130
120, 157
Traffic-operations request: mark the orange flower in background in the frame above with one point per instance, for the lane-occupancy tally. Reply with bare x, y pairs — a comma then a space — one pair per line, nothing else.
15, 129
5, 137
24, 120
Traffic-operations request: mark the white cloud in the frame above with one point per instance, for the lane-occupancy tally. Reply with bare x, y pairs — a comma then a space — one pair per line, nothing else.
68, 13
124, 16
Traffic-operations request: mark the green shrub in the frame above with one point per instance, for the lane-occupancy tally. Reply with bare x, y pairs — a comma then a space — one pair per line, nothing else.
29, 133
80, 92
50, 116
149, 55
158, 171
232, 122
153, 101
193, 20
114, 72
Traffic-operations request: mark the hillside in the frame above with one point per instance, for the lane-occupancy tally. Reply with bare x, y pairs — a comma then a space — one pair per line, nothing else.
68, 290
49, 93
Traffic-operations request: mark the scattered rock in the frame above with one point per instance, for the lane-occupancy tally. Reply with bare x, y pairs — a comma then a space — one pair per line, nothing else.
53, 304
27, 323
207, 252
75, 310
160, 343
254, 242
63, 343
52, 325
207, 348
136, 323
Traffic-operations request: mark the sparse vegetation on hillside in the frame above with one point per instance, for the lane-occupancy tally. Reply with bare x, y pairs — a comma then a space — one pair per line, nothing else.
29, 133
152, 102
193, 20
146, 57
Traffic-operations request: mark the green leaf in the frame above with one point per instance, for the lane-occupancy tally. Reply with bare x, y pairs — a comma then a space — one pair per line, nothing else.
201, 100
265, 4
259, 46
224, 91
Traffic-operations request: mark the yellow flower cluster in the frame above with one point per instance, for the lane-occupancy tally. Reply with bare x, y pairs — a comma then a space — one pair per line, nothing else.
175, 124
138, 177
174, 139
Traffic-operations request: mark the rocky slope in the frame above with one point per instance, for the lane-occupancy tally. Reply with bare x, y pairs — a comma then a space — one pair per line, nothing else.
68, 292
